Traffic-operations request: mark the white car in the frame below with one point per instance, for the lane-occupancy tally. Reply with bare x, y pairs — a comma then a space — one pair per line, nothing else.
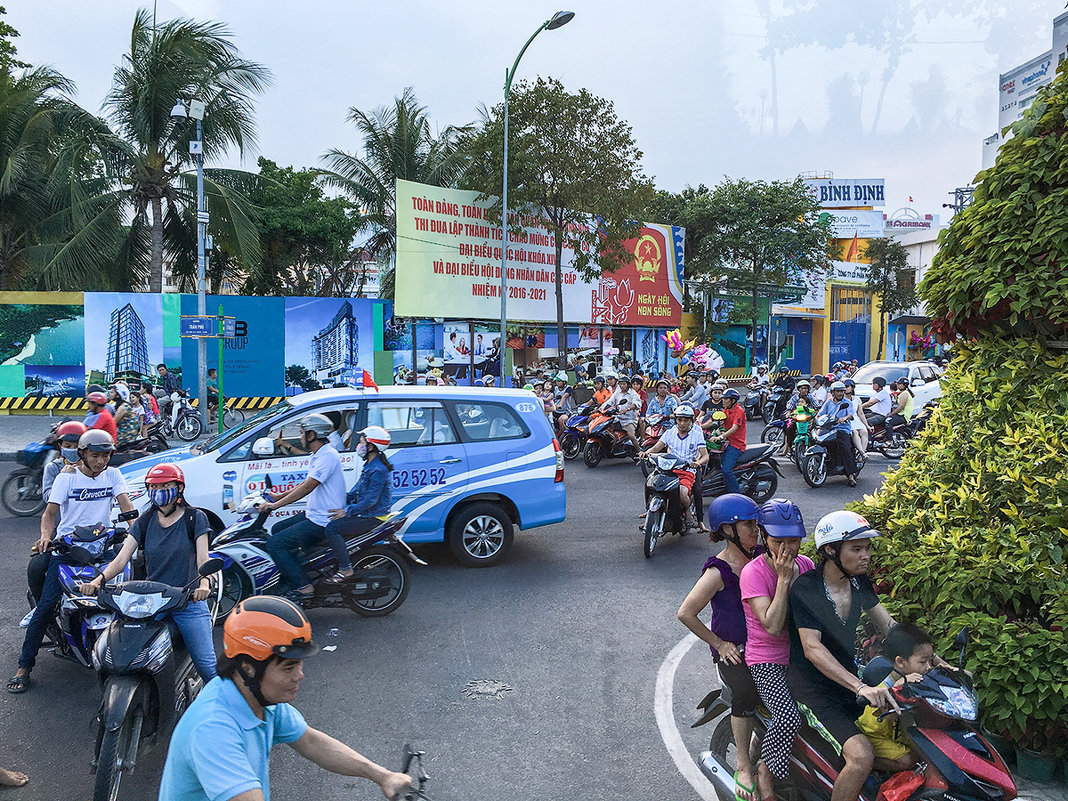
923, 378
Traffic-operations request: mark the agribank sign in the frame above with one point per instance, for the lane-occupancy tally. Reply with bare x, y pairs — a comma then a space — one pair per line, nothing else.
449, 265
843, 192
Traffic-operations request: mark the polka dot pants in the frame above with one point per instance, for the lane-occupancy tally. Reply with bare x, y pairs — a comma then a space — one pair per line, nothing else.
770, 680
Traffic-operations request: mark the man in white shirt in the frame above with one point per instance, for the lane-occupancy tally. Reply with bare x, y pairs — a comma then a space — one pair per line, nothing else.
685, 441
819, 390
628, 405
82, 494
325, 490
879, 405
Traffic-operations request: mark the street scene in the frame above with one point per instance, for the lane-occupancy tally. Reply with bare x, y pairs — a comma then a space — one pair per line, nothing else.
681, 417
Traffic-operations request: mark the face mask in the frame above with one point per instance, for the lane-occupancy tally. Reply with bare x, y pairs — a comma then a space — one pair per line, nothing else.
70, 454
361, 450
163, 497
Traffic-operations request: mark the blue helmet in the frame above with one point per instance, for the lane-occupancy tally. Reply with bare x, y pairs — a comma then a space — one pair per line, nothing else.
731, 508
781, 518
731, 393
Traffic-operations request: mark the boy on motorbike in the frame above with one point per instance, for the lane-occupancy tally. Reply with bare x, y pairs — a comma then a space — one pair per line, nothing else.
173, 553
733, 518
83, 497
685, 442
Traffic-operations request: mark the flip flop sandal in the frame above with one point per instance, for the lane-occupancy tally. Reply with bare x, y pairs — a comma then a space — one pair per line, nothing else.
337, 579
18, 684
750, 790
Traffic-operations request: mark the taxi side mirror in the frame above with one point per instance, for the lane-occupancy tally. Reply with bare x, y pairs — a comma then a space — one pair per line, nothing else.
264, 446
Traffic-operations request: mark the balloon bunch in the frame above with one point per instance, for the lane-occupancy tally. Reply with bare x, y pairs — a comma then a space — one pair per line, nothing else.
679, 347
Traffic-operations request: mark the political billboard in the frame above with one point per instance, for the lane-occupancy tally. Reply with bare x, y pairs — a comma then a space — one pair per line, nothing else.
449, 265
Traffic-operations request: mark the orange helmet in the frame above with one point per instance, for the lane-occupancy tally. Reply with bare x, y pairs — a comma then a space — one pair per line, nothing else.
266, 625
71, 430
163, 473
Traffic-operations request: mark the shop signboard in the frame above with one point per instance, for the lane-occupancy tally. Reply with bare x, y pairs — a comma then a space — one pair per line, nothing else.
928, 222
847, 192
847, 223
849, 272
449, 265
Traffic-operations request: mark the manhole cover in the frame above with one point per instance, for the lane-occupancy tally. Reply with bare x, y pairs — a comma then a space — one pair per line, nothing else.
486, 688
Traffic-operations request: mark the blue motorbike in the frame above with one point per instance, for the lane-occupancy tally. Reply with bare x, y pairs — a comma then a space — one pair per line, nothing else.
574, 436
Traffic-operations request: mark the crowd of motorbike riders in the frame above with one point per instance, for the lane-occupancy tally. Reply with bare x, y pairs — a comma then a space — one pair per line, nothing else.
752, 591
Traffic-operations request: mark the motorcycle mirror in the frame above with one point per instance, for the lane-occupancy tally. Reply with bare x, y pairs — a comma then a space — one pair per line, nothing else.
213, 565
960, 642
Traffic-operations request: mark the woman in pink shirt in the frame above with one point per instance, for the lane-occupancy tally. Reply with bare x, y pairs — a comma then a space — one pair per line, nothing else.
765, 587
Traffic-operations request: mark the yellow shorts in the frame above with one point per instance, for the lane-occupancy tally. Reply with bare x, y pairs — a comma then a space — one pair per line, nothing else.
884, 741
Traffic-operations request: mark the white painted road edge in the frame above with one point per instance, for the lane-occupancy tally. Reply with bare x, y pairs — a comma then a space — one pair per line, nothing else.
663, 706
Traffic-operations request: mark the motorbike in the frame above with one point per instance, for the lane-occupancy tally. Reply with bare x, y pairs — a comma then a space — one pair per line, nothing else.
938, 713
21, 493
653, 431
757, 473
663, 505
79, 619
919, 421
378, 586
146, 674
890, 440
607, 440
573, 437
180, 419
754, 401
775, 432
821, 458
775, 404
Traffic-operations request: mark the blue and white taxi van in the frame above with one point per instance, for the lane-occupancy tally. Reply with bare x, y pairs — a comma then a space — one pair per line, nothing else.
470, 464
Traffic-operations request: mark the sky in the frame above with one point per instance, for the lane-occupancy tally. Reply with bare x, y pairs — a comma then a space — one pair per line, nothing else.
904, 90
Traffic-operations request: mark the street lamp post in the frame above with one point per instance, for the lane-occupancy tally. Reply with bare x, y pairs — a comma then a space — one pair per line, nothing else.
195, 110
557, 20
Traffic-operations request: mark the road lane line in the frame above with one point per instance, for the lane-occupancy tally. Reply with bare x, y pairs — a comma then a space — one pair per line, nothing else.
663, 706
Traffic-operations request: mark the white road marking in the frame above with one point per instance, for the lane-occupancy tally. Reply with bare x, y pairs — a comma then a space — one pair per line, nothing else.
663, 706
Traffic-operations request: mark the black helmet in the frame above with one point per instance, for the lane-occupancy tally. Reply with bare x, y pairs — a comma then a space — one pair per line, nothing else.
879, 380
731, 393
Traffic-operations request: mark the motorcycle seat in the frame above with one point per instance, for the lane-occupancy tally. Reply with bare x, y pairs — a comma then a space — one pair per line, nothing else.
752, 453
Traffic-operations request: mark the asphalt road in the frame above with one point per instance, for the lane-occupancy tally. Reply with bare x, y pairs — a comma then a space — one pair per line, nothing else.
573, 628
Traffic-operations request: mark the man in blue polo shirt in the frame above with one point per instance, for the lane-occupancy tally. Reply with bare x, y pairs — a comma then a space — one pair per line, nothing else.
220, 749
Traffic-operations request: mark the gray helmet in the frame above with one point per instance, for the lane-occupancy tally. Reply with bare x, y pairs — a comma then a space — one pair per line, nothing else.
96, 441
319, 424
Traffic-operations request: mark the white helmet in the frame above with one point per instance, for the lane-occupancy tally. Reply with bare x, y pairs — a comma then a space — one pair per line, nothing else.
377, 436
841, 526
838, 385
685, 410
611, 374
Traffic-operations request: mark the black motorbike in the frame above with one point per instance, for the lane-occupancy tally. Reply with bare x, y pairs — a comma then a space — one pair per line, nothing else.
754, 400
757, 473
775, 405
146, 673
822, 458
663, 503
21, 493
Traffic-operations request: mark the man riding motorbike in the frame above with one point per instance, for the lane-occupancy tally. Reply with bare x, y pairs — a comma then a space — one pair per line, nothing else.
734, 435
221, 747
879, 405
100, 417
843, 428
83, 494
325, 488
627, 404
825, 609
685, 441
784, 379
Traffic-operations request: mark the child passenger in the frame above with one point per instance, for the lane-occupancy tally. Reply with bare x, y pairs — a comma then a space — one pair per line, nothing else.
765, 586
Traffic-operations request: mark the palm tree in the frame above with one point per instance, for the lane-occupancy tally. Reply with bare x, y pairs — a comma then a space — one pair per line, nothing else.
55, 232
183, 59
397, 143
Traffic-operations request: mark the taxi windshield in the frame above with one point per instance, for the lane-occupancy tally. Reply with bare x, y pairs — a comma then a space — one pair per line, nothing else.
231, 434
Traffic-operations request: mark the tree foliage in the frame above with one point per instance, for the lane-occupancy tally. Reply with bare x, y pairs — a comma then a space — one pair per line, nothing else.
1002, 265
8, 52
754, 236
574, 165
398, 142
890, 279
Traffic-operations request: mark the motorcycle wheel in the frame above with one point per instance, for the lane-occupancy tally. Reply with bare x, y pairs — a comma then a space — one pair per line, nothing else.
895, 448
570, 445
722, 745
654, 528
769, 493
380, 558
189, 428
814, 469
233, 417
767, 412
236, 587
21, 494
591, 454
799, 453
114, 747
773, 435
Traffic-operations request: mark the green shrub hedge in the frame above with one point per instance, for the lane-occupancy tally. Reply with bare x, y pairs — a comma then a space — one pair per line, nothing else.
976, 519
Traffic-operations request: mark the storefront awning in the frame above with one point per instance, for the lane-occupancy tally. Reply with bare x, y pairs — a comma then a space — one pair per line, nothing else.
910, 319
791, 311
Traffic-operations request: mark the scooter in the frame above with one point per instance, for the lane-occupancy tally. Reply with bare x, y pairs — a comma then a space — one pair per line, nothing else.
147, 676
379, 583
819, 461
775, 432
775, 405
754, 401
757, 473
939, 715
181, 419
663, 503
890, 438
607, 440
21, 493
573, 437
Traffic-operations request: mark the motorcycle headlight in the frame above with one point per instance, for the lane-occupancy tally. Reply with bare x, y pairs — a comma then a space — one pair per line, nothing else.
957, 703
139, 606
153, 657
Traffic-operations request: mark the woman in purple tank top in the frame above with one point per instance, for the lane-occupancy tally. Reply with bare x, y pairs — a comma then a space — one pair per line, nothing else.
733, 518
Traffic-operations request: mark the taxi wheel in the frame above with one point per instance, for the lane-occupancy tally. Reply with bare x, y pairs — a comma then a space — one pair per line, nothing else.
480, 535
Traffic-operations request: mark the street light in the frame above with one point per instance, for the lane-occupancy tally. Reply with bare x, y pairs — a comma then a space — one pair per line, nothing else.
559, 19
195, 110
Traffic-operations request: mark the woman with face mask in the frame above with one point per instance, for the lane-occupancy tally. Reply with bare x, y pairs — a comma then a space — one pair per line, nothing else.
368, 502
174, 540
